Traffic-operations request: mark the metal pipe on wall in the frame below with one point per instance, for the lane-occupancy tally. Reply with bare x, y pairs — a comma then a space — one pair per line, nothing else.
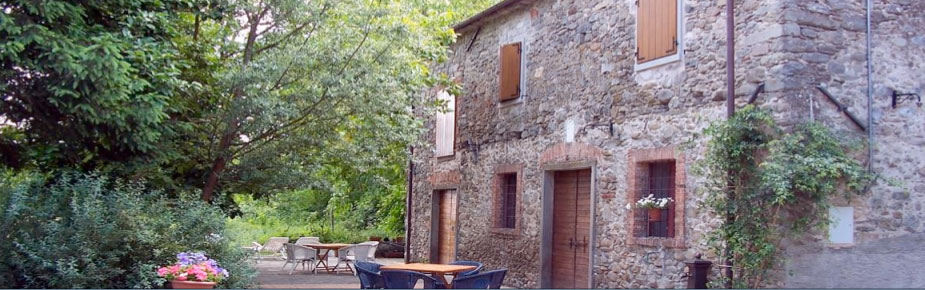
870, 95
409, 203
730, 111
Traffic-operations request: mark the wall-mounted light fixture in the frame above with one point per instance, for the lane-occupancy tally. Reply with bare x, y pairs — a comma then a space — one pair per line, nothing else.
898, 97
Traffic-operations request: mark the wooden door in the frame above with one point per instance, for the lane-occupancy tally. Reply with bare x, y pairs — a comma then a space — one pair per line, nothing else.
446, 232
571, 229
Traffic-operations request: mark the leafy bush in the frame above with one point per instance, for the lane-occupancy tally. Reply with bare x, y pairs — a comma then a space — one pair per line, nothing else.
307, 213
86, 231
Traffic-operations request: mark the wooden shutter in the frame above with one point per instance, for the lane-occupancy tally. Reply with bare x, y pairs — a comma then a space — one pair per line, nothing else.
445, 127
656, 29
510, 71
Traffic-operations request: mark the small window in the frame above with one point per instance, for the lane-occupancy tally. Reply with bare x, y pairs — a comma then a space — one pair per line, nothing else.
508, 218
659, 182
445, 127
510, 72
656, 29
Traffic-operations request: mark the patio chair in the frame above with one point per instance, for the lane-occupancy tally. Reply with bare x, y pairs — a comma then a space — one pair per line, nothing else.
486, 280
404, 279
308, 241
372, 253
300, 255
497, 278
369, 275
275, 245
361, 252
478, 267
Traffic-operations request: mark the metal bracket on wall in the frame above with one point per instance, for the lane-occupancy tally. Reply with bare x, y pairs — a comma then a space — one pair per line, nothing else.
842, 108
754, 96
477, 31
897, 97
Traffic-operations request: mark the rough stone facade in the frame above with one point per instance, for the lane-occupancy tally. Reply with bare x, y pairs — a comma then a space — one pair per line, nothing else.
586, 105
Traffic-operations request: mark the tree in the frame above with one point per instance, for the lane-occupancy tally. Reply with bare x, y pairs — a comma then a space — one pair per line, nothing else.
303, 78
87, 83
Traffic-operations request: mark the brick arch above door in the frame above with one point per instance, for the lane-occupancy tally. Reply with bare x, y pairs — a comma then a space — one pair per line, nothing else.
570, 152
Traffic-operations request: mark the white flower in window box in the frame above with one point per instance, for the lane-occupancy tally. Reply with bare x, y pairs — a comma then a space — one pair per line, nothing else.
653, 205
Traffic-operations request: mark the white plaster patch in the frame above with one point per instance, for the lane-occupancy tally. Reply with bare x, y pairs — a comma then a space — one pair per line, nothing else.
570, 130
841, 230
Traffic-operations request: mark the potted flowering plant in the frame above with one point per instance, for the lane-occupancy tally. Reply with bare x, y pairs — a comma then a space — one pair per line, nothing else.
654, 206
193, 271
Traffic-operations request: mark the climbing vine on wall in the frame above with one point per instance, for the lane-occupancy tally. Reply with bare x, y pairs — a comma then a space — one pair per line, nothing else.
776, 184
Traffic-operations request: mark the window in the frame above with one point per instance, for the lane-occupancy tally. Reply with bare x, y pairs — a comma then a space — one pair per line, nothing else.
656, 29
660, 184
508, 212
659, 172
445, 128
506, 195
510, 72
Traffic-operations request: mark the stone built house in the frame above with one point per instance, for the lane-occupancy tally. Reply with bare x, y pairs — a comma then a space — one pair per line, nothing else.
572, 109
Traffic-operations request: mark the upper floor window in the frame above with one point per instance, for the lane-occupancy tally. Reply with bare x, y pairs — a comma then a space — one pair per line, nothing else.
511, 59
656, 29
445, 128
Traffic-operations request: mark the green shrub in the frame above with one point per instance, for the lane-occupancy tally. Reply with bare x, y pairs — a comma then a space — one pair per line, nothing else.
85, 231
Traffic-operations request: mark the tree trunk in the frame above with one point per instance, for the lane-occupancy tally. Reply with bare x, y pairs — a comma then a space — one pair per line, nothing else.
220, 160
231, 131
212, 180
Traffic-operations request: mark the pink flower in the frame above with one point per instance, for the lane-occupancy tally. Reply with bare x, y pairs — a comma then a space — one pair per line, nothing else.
162, 271
181, 277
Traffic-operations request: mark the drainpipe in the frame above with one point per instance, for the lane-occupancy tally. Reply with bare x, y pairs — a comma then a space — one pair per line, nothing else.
730, 111
409, 203
870, 96
730, 59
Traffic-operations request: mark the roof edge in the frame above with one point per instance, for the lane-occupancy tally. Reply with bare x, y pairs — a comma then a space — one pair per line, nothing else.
485, 14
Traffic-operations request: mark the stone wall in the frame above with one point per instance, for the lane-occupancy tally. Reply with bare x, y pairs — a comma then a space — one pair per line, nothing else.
889, 220
580, 78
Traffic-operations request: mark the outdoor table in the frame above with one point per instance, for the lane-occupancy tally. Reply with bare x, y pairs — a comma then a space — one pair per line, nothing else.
439, 270
323, 259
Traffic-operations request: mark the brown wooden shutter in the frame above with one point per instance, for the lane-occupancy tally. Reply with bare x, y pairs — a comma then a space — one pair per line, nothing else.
667, 12
656, 29
445, 127
510, 72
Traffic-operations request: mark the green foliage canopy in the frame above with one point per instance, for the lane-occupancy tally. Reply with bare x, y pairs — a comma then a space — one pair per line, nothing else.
88, 82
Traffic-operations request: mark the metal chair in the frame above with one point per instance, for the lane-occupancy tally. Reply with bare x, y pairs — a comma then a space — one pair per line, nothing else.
478, 267
404, 279
369, 275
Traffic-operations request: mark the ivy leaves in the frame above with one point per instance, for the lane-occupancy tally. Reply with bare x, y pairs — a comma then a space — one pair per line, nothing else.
774, 184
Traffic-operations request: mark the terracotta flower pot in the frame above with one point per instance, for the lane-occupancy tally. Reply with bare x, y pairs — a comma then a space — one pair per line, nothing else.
175, 284
655, 214
399, 239
375, 239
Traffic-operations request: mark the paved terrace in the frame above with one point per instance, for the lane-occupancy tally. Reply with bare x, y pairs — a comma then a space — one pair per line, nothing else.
271, 276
